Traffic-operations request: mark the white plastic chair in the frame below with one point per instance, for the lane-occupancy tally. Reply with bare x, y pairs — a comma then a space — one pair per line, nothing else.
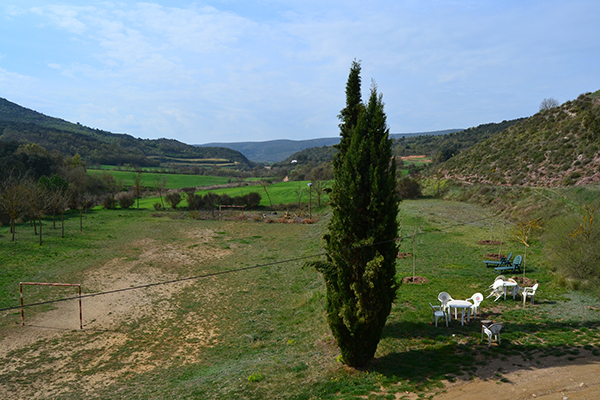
528, 291
444, 298
492, 331
477, 298
438, 313
498, 278
497, 289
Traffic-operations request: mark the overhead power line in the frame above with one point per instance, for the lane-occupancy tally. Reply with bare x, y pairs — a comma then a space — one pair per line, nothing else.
230, 271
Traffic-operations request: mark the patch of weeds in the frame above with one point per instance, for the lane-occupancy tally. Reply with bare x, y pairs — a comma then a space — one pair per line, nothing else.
255, 377
299, 367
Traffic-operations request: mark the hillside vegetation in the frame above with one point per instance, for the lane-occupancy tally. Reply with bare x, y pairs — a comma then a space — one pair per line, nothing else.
96, 146
437, 146
284, 149
274, 150
555, 147
442, 147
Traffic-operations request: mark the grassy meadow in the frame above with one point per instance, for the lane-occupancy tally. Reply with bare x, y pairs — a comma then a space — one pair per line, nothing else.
173, 181
278, 193
261, 332
296, 192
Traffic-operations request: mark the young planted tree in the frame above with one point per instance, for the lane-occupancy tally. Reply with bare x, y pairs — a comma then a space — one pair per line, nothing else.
361, 241
137, 186
524, 233
160, 182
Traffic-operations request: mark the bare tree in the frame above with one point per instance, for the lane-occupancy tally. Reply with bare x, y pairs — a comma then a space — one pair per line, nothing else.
160, 182
137, 186
12, 200
548, 103
523, 235
264, 184
38, 200
83, 202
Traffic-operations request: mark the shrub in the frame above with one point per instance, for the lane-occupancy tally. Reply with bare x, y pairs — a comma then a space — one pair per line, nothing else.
125, 200
252, 200
211, 201
109, 202
195, 202
225, 200
173, 199
574, 247
408, 188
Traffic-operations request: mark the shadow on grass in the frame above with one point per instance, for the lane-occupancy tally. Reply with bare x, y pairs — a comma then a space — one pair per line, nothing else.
458, 352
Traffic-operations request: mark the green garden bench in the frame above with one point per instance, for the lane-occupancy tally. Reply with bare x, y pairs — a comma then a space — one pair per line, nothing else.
515, 266
504, 261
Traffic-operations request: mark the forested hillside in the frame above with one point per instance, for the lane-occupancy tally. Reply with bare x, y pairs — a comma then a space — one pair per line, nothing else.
555, 147
21, 125
442, 147
436, 145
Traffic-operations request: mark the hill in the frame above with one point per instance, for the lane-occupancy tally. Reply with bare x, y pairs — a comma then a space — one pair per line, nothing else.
442, 147
555, 147
439, 145
96, 146
280, 150
273, 150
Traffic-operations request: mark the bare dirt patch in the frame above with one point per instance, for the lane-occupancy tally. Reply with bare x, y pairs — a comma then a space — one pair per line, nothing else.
46, 351
415, 280
494, 256
553, 378
490, 242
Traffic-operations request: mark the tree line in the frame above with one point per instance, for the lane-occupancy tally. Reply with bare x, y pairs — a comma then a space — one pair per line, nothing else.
36, 183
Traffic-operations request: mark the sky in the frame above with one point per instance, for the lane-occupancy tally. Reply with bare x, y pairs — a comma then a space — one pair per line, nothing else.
242, 70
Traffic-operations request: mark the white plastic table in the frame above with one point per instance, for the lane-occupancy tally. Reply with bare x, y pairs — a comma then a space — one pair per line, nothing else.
513, 285
463, 305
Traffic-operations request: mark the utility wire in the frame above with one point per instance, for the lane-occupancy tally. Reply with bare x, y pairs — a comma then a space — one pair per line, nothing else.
196, 277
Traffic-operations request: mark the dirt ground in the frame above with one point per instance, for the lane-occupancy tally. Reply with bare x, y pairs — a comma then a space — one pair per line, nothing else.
557, 379
41, 342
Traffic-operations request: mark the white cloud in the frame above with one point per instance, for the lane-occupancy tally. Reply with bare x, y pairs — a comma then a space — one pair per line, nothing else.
217, 70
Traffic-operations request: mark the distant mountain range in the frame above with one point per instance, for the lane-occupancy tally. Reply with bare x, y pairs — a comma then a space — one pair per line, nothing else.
278, 150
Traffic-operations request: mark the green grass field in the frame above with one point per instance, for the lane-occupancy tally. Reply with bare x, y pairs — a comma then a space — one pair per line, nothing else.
173, 181
261, 332
279, 193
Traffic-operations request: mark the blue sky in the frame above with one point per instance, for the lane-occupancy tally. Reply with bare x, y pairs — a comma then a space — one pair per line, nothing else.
232, 70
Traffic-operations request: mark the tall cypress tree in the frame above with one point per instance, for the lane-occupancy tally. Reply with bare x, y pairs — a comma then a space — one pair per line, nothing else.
349, 114
360, 268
